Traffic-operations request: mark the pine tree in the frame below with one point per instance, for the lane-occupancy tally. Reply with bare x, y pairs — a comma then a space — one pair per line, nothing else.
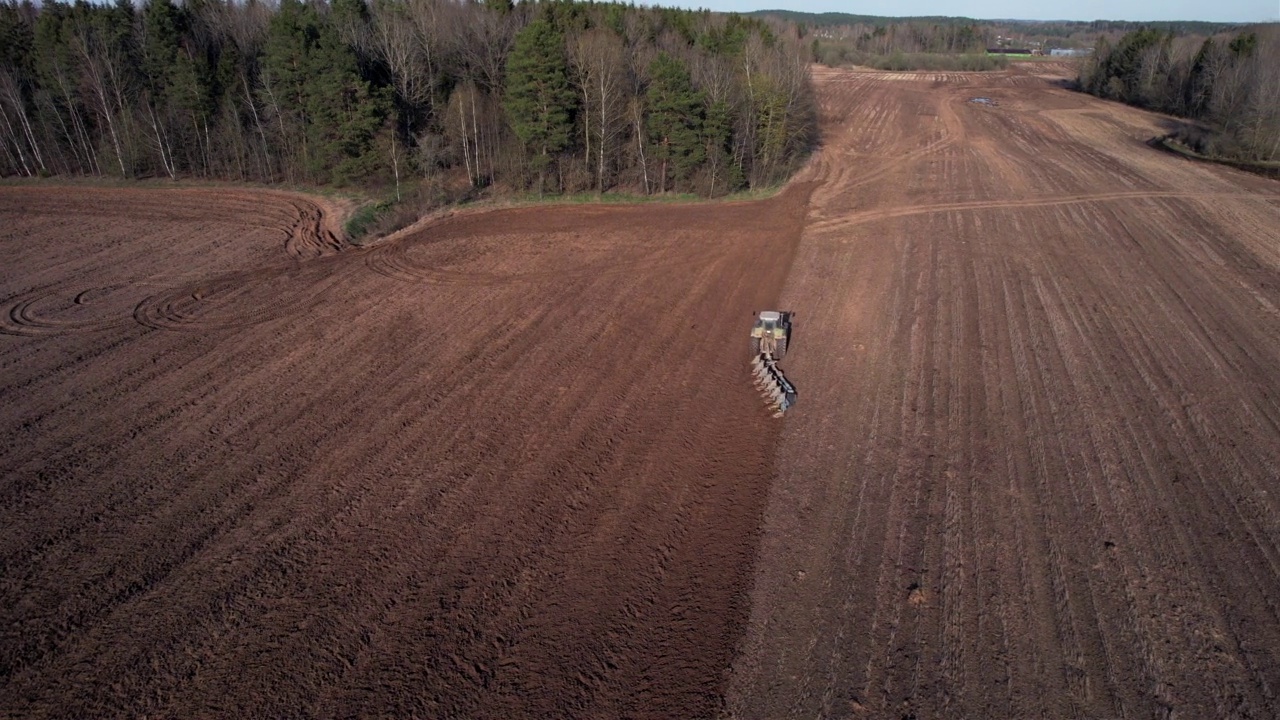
162, 23
329, 115
347, 114
539, 100
675, 119
16, 38
717, 131
284, 80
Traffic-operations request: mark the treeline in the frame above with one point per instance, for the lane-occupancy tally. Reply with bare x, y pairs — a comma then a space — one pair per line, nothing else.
873, 35
557, 96
914, 45
1228, 82
916, 37
836, 56
904, 37
1058, 28
1070, 28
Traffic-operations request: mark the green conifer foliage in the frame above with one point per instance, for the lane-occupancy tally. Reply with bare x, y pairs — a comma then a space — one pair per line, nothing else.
540, 101
323, 104
717, 134
16, 39
501, 93
676, 113
346, 114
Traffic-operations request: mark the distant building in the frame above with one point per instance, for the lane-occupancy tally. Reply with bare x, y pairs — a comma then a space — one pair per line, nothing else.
1070, 52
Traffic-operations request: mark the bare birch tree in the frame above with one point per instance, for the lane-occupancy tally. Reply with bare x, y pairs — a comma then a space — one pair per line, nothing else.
596, 56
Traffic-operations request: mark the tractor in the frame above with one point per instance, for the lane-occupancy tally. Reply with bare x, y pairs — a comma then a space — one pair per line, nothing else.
770, 334
769, 338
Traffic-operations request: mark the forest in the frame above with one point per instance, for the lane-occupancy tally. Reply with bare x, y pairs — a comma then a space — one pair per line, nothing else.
453, 96
906, 45
1227, 83
868, 36
1029, 28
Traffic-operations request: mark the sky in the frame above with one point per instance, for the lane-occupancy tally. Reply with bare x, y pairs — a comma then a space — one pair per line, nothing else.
1210, 10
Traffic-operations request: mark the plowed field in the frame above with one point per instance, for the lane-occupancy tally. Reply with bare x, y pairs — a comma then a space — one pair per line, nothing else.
1036, 467
504, 467
510, 464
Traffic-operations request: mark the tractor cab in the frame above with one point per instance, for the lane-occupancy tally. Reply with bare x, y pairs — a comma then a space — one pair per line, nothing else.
771, 333
768, 319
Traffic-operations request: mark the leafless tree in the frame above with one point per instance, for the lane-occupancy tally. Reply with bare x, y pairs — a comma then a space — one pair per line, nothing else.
396, 38
484, 43
102, 69
11, 104
597, 59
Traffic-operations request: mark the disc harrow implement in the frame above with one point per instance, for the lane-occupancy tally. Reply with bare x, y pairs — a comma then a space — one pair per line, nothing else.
777, 391
769, 339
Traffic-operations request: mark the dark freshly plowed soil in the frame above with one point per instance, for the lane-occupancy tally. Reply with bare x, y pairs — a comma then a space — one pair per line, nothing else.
1036, 471
506, 466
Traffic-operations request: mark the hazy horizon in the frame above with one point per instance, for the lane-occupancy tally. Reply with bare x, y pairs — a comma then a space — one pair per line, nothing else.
1232, 11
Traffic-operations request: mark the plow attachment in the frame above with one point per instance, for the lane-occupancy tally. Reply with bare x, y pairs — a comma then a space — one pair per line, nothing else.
772, 384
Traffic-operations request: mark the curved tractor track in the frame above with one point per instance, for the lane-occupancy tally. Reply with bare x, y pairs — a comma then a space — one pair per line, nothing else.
142, 233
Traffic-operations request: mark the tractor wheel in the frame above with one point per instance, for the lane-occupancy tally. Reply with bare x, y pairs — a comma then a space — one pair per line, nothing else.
782, 347
755, 347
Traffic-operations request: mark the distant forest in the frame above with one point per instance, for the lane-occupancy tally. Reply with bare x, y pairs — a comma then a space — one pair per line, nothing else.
1228, 83
1224, 78
1028, 29
955, 43
457, 95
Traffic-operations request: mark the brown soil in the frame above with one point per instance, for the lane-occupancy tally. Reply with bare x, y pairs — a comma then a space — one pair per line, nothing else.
1034, 473
508, 466
511, 465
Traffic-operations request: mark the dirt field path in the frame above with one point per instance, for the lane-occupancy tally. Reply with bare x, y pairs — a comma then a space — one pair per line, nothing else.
1035, 471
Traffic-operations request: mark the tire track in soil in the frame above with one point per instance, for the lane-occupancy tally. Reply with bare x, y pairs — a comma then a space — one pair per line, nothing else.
836, 224
28, 314
63, 307
238, 300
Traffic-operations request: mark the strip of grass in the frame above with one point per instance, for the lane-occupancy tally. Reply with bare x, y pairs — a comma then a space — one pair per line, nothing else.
936, 62
623, 198
364, 218
834, 55
609, 198
1170, 144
